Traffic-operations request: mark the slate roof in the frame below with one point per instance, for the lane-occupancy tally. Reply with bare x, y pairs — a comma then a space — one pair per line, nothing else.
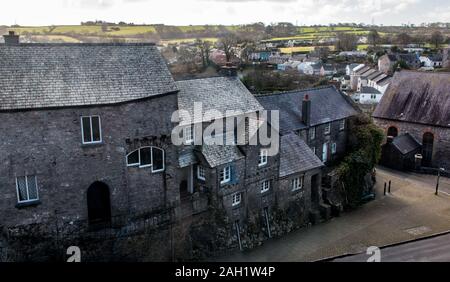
327, 104
296, 156
406, 143
36, 76
374, 75
369, 90
417, 97
217, 155
362, 70
215, 93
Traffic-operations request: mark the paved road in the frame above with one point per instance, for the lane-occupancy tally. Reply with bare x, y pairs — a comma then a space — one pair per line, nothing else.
436, 249
410, 212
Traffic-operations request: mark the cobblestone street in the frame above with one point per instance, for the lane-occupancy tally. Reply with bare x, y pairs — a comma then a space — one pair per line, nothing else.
411, 211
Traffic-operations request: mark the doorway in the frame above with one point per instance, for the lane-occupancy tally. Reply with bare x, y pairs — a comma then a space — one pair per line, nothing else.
99, 205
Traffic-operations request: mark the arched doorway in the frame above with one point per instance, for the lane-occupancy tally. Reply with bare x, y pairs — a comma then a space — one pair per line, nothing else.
392, 131
427, 149
99, 205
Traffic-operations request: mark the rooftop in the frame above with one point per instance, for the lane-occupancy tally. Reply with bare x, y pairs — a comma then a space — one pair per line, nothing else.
35, 76
417, 97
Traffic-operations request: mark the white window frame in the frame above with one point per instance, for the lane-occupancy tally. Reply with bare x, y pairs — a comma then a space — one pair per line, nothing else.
28, 192
314, 150
333, 148
342, 125
263, 157
190, 140
265, 186
297, 183
312, 133
226, 179
327, 130
138, 164
92, 133
201, 172
236, 199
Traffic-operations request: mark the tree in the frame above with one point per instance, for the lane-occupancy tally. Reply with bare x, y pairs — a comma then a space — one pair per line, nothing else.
227, 45
346, 42
436, 39
403, 39
374, 37
204, 48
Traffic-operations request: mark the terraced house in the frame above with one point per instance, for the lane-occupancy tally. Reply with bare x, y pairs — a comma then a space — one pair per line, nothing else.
87, 145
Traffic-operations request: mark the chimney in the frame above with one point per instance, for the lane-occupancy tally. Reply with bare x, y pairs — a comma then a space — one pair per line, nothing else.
306, 110
11, 38
228, 70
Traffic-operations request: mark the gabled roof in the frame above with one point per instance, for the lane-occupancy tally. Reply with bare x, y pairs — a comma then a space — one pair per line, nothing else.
362, 70
296, 156
368, 73
417, 97
375, 75
379, 78
34, 76
406, 143
369, 90
327, 104
215, 93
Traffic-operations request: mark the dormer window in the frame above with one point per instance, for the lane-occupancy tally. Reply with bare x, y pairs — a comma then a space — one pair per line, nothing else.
91, 130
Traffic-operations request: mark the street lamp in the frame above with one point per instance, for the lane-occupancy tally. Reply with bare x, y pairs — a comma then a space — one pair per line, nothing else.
438, 177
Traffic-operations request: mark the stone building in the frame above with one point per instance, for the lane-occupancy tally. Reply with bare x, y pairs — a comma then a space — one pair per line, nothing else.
87, 145
319, 116
418, 103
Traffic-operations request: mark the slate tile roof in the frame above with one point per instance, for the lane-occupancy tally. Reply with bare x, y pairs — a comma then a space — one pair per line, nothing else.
217, 155
36, 76
296, 156
215, 93
406, 143
327, 104
369, 90
417, 97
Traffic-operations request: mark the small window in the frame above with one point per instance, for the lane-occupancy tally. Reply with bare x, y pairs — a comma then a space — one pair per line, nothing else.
333, 148
201, 172
91, 130
225, 175
314, 150
27, 189
342, 125
297, 183
327, 128
312, 133
262, 158
147, 157
265, 186
188, 135
236, 199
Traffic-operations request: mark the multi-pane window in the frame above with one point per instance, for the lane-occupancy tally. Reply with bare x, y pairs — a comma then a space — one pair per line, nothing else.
188, 134
333, 148
327, 128
312, 133
201, 172
147, 157
297, 183
265, 186
262, 158
342, 124
236, 199
225, 175
27, 189
91, 130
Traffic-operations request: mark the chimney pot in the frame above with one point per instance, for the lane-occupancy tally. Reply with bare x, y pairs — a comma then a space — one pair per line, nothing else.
11, 38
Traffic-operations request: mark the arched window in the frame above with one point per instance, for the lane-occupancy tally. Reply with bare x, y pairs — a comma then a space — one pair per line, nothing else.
392, 131
427, 149
147, 157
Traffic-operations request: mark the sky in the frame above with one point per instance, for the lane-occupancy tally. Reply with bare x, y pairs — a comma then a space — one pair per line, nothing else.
196, 12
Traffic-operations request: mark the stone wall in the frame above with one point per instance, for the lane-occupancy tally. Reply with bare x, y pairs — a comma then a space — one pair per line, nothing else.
441, 148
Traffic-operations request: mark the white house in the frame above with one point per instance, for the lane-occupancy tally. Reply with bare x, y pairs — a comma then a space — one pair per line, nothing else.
369, 95
433, 61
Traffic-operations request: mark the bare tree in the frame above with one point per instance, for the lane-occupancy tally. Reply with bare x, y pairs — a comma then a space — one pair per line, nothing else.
204, 48
346, 42
227, 44
374, 37
436, 39
403, 39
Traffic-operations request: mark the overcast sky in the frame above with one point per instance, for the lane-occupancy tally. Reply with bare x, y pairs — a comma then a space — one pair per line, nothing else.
186, 12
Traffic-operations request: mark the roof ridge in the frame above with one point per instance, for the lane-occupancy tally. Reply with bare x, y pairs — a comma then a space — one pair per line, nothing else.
82, 44
295, 91
203, 78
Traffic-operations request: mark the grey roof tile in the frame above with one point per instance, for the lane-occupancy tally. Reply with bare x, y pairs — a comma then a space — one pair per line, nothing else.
296, 156
64, 75
217, 155
406, 143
